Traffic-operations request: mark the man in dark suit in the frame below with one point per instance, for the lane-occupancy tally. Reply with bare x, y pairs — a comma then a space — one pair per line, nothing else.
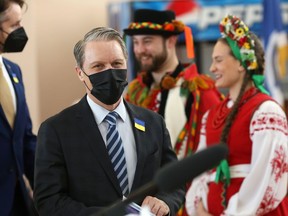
73, 170
17, 142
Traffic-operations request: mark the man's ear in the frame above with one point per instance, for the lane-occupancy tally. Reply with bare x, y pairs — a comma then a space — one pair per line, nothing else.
79, 73
172, 40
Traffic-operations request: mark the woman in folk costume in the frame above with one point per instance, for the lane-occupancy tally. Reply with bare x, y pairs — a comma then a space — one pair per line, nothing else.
253, 179
164, 85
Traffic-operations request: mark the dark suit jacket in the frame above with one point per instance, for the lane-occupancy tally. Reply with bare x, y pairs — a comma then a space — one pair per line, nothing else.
17, 146
73, 172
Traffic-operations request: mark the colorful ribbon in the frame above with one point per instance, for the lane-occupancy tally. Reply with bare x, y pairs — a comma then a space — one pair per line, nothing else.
259, 83
223, 172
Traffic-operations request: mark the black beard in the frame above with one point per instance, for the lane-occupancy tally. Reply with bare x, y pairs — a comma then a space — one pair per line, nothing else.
157, 61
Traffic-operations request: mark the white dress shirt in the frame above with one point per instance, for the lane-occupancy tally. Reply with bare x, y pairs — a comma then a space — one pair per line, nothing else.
124, 127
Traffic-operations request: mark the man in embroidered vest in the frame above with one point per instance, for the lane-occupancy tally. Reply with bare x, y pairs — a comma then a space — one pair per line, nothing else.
164, 85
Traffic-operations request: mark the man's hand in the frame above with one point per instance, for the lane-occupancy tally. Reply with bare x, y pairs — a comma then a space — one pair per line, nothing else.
156, 206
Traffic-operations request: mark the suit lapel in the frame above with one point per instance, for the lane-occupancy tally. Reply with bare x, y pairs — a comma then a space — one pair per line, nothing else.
92, 137
18, 92
2, 114
18, 89
140, 148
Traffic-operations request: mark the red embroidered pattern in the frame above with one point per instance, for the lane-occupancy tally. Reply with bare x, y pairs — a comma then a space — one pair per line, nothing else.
155, 97
279, 167
279, 164
270, 121
268, 203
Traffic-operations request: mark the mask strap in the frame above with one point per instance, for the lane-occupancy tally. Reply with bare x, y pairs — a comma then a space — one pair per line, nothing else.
84, 81
6, 38
87, 86
11, 31
4, 31
84, 72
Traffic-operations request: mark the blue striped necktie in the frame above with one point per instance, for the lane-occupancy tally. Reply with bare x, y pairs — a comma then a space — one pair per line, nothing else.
116, 152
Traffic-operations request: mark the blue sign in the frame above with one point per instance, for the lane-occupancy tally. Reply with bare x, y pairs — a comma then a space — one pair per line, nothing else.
203, 16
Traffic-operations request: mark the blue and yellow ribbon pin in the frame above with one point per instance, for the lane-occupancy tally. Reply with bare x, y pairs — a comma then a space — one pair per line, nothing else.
140, 125
15, 79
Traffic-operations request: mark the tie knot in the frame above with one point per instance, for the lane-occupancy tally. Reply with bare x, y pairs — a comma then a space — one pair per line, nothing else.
111, 118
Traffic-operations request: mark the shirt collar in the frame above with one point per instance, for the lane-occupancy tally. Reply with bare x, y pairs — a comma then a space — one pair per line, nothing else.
100, 112
1, 60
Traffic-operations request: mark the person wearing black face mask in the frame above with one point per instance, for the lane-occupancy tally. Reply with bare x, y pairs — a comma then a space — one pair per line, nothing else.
17, 142
108, 85
15, 41
75, 170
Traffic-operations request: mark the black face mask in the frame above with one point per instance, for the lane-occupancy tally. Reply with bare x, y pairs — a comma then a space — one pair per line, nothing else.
16, 41
108, 85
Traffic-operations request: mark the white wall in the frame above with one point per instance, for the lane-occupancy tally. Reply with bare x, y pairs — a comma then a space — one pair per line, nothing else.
47, 62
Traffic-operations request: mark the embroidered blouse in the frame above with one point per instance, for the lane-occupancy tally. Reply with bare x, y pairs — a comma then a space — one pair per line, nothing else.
263, 175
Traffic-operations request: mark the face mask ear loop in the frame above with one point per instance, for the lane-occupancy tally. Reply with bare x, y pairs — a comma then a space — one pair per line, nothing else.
5, 33
87, 86
83, 71
84, 81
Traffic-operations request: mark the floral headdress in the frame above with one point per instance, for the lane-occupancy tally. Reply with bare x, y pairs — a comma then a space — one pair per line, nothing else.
236, 32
